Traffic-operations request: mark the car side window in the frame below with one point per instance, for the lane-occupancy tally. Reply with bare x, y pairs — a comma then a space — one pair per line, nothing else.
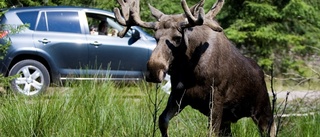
42, 25
59, 22
29, 18
112, 27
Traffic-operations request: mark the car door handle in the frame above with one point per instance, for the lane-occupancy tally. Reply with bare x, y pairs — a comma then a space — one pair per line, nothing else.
95, 43
44, 41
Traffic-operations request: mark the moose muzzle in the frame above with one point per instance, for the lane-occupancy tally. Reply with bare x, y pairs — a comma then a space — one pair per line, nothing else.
155, 76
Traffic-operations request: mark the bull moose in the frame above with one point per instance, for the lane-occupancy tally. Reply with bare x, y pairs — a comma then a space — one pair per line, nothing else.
207, 71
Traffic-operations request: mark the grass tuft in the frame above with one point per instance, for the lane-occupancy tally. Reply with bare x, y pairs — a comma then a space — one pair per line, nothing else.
101, 108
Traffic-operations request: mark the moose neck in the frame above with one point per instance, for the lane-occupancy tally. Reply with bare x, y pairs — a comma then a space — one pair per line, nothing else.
198, 57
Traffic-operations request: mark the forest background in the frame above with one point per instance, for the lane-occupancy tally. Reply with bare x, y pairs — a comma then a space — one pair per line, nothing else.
279, 34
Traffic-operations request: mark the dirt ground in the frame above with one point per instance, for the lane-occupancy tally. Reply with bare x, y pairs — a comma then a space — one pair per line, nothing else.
298, 94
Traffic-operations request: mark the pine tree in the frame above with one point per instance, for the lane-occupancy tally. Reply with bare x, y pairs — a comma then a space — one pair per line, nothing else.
281, 32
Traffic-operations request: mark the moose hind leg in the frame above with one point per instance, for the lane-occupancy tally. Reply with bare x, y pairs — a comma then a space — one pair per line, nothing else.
225, 129
265, 124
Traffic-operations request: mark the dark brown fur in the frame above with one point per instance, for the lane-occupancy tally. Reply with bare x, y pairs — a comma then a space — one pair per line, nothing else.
202, 61
210, 64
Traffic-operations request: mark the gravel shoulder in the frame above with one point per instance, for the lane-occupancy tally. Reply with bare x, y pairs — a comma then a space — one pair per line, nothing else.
297, 94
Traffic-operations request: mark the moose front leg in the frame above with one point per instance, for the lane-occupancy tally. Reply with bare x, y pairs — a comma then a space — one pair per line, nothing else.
173, 108
216, 124
164, 119
215, 120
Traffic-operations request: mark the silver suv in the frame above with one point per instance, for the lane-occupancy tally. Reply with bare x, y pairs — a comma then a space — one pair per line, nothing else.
70, 43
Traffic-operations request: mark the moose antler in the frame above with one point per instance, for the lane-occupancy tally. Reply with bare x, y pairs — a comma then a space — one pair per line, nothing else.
209, 17
197, 11
136, 17
123, 19
193, 21
199, 4
215, 9
130, 16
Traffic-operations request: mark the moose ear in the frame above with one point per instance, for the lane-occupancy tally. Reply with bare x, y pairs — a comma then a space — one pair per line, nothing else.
155, 12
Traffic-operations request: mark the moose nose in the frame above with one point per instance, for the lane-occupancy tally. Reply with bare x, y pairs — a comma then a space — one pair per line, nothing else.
155, 77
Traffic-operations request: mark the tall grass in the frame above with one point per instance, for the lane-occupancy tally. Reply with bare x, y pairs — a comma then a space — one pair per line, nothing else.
106, 109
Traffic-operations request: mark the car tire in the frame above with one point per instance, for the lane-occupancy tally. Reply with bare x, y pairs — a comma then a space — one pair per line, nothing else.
32, 77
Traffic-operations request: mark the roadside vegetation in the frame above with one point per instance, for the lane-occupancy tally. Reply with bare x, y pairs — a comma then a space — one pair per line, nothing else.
102, 108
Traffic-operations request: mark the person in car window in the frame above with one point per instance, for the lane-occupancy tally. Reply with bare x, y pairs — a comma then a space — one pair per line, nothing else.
113, 33
93, 30
103, 28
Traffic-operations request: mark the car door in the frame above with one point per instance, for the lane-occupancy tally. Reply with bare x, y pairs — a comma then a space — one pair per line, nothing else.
115, 56
59, 36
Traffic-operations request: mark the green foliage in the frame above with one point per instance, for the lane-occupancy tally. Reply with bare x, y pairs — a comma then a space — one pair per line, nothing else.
3, 4
4, 81
263, 11
90, 109
102, 108
267, 31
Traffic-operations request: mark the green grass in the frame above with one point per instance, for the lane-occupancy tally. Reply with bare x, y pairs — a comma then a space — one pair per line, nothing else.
106, 109
307, 126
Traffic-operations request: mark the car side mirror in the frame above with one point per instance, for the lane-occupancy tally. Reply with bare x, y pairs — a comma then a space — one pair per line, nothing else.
135, 36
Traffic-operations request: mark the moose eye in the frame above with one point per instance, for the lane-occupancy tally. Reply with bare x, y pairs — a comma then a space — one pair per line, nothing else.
177, 39
157, 40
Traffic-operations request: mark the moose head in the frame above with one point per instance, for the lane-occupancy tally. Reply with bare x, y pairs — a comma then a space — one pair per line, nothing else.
169, 30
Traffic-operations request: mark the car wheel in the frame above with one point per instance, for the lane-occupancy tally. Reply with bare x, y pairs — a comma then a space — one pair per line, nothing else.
32, 77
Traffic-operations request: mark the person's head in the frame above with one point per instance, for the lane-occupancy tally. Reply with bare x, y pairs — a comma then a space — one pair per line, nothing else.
103, 27
93, 30
114, 32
